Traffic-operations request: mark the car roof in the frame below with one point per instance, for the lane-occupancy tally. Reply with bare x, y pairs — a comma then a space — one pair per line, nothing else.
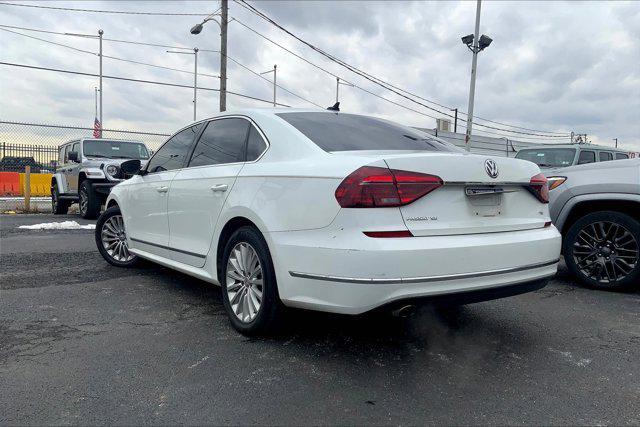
580, 146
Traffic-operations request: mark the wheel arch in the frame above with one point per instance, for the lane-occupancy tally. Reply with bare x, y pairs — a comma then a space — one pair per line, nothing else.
580, 208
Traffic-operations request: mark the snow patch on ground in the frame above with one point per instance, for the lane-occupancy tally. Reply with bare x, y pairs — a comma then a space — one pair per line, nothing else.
64, 225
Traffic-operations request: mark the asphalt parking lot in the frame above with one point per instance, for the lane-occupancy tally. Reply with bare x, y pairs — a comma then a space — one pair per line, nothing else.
82, 342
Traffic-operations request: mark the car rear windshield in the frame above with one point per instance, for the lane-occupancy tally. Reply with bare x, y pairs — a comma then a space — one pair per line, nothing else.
115, 149
549, 157
350, 132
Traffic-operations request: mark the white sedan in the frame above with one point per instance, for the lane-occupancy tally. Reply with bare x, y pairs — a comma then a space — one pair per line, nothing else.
333, 212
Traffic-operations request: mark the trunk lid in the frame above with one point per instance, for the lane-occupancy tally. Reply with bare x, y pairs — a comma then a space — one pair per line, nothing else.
480, 194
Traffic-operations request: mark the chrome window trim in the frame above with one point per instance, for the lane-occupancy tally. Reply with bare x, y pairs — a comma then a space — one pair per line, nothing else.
426, 279
231, 116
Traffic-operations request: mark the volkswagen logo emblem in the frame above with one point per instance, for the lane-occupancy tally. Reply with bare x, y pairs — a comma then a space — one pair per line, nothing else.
491, 168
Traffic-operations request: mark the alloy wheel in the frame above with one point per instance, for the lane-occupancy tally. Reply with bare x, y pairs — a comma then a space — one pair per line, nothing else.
84, 200
114, 239
605, 251
245, 283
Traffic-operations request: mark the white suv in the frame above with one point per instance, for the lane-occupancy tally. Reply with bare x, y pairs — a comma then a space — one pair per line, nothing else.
333, 212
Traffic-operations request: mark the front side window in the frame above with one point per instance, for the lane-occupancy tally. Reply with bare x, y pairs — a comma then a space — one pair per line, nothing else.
605, 156
66, 153
75, 147
103, 148
222, 141
61, 158
548, 157
255, 144
621, 156
586, 157
350, 132
174, 152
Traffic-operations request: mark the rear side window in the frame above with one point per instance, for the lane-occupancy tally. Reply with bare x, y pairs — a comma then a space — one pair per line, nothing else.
605, 156
548, 157
621, 156
586, 157
255, 145
350, 132
173, 154
223, 141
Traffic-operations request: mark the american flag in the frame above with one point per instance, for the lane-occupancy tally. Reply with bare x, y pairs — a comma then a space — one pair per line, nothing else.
97, 128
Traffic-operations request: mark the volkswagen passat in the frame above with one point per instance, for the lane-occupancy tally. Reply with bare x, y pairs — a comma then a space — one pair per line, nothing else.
333, 212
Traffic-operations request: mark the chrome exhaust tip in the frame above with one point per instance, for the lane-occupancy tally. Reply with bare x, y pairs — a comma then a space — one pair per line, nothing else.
404, 311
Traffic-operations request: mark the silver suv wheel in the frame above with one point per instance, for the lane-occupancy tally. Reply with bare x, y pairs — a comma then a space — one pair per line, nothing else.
114, 239
244, 282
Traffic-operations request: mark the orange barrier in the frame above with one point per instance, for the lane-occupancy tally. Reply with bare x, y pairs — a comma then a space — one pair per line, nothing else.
10, 184
40, 184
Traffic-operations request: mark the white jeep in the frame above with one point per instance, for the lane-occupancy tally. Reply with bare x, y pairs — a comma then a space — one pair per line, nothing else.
88, 169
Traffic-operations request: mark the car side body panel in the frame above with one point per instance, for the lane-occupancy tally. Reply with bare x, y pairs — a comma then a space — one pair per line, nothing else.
619, 180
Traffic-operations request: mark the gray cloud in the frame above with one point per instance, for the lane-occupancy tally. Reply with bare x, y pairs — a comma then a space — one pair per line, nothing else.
554, 66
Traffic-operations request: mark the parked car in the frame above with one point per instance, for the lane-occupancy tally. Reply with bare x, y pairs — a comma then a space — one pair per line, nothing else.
87, 170
333, 212
597, 209
18, 164
565, 155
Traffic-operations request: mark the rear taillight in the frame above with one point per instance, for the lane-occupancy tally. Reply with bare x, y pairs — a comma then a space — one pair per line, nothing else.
376, 187
539, 187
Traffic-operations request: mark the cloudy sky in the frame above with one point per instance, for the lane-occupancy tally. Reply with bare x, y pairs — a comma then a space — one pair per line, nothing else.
560, 67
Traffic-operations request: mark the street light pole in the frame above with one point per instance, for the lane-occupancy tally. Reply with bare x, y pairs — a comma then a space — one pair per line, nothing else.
616, 140
338, 83
223, 54
275, 67
100, 33
472, 85
195, 83
195, 77
222, 12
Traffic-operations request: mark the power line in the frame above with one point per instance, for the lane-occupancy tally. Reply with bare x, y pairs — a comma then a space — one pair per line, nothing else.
145, 63
329, 72
115, 58
120, 12
371, 78
154, 82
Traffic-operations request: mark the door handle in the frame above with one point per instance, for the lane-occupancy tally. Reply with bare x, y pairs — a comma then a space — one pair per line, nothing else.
162, 189
219, 187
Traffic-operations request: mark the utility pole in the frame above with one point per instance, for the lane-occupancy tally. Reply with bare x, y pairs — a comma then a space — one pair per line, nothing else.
616, 140
100, 33
455, 121
224, 11
472, 85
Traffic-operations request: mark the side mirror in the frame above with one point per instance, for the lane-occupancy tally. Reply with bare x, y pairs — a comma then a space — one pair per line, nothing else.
73, 156
130, 167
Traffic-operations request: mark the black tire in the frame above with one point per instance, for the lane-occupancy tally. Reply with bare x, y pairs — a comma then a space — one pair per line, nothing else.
102, 246
58, 207
270, 313
90, 209
611, 247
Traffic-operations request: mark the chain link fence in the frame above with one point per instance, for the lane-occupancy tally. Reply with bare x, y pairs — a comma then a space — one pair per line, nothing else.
36, 145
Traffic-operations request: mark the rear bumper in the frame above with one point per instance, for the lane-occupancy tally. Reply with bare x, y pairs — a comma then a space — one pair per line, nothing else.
353, 274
